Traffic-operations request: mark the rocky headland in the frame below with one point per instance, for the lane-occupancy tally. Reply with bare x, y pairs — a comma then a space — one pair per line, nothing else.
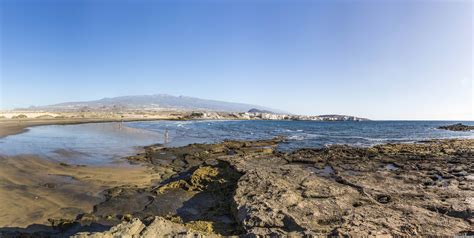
457, 127
249, 188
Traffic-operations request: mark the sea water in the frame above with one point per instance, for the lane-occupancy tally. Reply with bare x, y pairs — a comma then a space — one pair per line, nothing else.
105, 143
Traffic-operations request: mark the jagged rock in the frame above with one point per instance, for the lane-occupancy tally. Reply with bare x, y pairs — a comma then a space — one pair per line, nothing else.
249, 189
290, 199
159, 227
383, 190
124, 229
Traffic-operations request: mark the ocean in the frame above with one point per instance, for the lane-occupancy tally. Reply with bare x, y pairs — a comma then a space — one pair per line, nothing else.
106, 143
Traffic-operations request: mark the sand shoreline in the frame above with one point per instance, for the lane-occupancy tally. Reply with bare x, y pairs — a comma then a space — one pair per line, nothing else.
13, 127
34, 189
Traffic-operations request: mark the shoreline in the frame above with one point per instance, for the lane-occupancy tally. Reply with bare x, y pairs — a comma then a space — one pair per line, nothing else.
10, 127
34, 190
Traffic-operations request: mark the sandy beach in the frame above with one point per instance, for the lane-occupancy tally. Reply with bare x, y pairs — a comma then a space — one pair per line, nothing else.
33, 190
12, 126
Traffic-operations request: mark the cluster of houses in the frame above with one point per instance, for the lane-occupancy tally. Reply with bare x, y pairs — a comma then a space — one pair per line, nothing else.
256, 115
275, 116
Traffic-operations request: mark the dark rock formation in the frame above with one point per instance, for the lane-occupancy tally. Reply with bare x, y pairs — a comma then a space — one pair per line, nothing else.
457, 127
394, 189
249, 188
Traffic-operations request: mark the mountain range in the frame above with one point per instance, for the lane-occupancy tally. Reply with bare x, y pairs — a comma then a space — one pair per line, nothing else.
157, 101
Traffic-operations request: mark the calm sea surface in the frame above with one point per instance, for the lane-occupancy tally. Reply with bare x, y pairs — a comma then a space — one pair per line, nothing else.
105, 143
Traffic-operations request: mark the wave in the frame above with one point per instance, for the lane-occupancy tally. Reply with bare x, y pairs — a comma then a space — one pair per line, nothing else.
296, 137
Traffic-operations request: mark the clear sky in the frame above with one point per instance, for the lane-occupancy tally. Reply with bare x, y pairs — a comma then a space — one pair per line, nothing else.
387, 59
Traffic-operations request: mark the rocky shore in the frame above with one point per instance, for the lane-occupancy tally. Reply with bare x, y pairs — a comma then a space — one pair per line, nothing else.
248, 188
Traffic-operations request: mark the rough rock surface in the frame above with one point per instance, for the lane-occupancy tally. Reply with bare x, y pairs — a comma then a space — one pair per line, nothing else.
405, 189
457, 127
248, 188
159, 227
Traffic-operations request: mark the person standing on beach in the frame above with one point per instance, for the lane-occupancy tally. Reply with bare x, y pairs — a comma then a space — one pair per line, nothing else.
121, 123
166, 136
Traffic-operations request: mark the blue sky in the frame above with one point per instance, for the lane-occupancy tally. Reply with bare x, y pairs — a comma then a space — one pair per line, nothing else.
389, 59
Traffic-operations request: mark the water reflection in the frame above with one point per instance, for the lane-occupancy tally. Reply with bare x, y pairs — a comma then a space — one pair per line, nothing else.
94, 143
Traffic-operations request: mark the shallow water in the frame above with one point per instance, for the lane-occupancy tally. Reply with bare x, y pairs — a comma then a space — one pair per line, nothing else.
105, 143
93, 143
391, 167
302, 134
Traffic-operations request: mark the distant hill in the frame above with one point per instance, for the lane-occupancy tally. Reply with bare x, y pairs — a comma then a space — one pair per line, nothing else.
158, 101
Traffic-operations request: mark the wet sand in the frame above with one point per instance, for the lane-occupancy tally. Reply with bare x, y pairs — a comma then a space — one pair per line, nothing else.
33, 190
13, 127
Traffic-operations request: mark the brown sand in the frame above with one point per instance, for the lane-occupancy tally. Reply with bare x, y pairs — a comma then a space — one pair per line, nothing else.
34, 189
